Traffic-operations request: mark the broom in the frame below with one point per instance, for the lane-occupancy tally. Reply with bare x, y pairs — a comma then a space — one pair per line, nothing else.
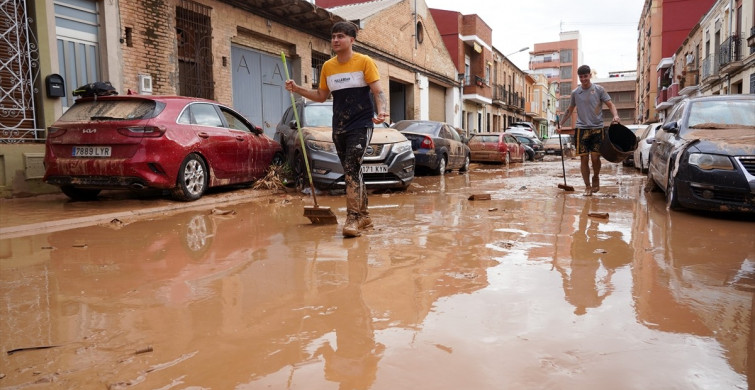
564, 186
317, 214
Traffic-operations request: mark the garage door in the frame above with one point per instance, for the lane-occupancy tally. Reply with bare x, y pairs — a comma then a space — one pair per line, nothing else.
259, 92
437, 103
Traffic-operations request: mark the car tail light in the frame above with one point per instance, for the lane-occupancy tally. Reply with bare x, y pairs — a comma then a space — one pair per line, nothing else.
53, 132
427, 143
142, 131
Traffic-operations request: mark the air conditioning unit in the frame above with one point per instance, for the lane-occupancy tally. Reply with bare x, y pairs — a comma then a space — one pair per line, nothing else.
145, 84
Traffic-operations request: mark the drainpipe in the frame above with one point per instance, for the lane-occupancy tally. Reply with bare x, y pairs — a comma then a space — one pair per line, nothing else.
731, 42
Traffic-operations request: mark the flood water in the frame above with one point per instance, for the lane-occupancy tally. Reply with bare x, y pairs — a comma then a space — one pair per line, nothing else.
532, 289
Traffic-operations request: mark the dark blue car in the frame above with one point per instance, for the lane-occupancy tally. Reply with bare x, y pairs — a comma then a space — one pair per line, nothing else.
437, 146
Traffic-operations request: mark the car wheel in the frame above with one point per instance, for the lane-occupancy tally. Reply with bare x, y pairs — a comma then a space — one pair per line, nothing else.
441, 165
80, 193
278, 160
300, 173
672, 198
192, 179
465, 167
643, 168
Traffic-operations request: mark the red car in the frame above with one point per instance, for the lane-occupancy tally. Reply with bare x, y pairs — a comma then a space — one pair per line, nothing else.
181, 144
496, 147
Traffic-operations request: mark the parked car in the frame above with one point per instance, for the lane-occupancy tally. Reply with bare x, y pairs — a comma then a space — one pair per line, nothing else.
704, 154
637, 130
177, 143
437, 146
646, 139
553, 146
536, 150
520, 130
527, 125
496, 147
388, 162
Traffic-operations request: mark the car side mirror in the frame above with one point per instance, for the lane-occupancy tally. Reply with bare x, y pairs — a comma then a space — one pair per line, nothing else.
258, 130
671, 127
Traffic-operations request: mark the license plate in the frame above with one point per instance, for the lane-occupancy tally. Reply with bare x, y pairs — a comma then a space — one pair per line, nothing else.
91, 151
374, 169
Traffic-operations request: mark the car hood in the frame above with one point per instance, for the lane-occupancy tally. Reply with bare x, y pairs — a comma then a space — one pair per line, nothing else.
723, 141
380, 135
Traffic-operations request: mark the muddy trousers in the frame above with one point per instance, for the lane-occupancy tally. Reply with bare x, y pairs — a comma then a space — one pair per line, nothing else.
351, 146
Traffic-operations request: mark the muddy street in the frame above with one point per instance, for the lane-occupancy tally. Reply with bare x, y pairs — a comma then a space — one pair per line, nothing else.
535, 288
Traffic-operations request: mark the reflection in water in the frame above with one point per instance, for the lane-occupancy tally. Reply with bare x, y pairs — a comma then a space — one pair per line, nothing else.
595, 256
353, 362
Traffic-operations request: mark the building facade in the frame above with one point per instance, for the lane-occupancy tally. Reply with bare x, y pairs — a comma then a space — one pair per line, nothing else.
226, 50
621, 87
558, 62
663, 26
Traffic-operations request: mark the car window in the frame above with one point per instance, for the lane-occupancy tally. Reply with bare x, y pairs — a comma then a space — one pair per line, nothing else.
113, 109
318, 115
288, 116
509, 139
709, 113
454, 134
417, 127
205, 115
234, 121
676, 112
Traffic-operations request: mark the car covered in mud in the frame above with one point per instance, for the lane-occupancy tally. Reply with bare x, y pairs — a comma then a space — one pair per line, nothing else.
703, 156
388, 161
497, 148
182, 144
437, 146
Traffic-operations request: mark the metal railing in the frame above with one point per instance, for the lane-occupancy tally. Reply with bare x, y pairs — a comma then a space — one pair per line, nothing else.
730, 51
710, 67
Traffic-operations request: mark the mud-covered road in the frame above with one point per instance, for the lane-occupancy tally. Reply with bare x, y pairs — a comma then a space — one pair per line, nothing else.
532, 289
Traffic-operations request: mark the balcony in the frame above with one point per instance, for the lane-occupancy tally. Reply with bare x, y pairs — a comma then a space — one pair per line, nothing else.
710, 69
499, 95
730, 55
661, 101
475, 90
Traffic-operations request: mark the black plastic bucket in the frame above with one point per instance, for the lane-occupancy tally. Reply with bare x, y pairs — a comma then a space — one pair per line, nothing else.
618, 143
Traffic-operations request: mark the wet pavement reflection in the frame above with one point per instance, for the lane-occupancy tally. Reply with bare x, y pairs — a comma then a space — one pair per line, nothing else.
532, 289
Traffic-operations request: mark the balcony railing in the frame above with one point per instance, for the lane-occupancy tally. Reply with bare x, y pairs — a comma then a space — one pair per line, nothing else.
730, 51
710, 67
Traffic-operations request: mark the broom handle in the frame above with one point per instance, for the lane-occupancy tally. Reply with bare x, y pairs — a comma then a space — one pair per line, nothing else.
301, 136
563, 166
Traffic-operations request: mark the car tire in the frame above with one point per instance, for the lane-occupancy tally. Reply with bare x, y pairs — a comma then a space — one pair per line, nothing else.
441, 169
643, 168
80, 194
672, 198
300, 173
465, 167
192, 179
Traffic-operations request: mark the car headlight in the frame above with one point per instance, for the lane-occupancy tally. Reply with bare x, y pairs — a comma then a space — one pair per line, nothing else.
710, 161
322, 146
402, 147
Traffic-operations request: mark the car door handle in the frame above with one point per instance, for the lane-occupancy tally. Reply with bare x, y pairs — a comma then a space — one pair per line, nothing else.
239, 138
202, 134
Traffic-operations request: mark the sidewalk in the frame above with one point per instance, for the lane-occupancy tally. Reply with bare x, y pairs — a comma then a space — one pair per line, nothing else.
49, 213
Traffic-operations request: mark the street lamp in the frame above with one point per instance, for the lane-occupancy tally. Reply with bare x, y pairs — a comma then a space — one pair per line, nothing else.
518, 51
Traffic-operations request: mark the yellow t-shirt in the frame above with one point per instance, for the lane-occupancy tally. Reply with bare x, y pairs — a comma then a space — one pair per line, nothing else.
353, 105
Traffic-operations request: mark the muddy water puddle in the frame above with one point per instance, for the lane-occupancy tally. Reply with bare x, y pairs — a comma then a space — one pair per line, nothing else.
533, 288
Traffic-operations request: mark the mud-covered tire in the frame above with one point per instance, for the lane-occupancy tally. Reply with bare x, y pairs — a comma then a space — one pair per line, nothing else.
192, 179
465, 167
672, 198
80, 194
441, 169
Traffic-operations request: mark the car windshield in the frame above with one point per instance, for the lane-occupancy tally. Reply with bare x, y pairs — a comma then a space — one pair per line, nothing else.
418, 127
318, 115
112, 110
721, 114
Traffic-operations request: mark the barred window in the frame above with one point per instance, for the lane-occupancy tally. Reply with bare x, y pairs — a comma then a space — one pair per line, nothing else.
317, 60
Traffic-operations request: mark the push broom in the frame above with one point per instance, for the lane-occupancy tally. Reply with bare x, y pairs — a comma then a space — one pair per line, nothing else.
317, 214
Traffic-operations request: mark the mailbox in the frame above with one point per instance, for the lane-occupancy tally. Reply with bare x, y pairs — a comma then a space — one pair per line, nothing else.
55, 86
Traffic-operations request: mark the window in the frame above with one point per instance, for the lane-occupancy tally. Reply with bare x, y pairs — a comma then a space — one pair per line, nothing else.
566, 72
566, 55
234, 122
467, 69
318, 59
565, 88
205, 115
487, 74
194, 36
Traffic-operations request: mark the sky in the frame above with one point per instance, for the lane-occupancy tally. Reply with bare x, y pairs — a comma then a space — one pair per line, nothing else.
608, 28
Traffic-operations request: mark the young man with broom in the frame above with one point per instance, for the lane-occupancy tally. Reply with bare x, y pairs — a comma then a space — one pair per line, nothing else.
589, 98
353, 79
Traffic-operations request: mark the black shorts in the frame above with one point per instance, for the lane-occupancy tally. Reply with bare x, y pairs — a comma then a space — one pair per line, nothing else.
588, 140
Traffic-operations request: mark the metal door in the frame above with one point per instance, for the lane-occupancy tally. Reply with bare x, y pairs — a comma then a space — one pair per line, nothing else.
259, 91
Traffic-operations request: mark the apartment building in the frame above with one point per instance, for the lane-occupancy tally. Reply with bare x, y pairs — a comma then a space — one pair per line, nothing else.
621, 87
663, 26
716, 57
558, 62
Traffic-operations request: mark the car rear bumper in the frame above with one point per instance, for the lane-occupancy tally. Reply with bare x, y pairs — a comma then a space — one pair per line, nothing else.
481, 156
107, 174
